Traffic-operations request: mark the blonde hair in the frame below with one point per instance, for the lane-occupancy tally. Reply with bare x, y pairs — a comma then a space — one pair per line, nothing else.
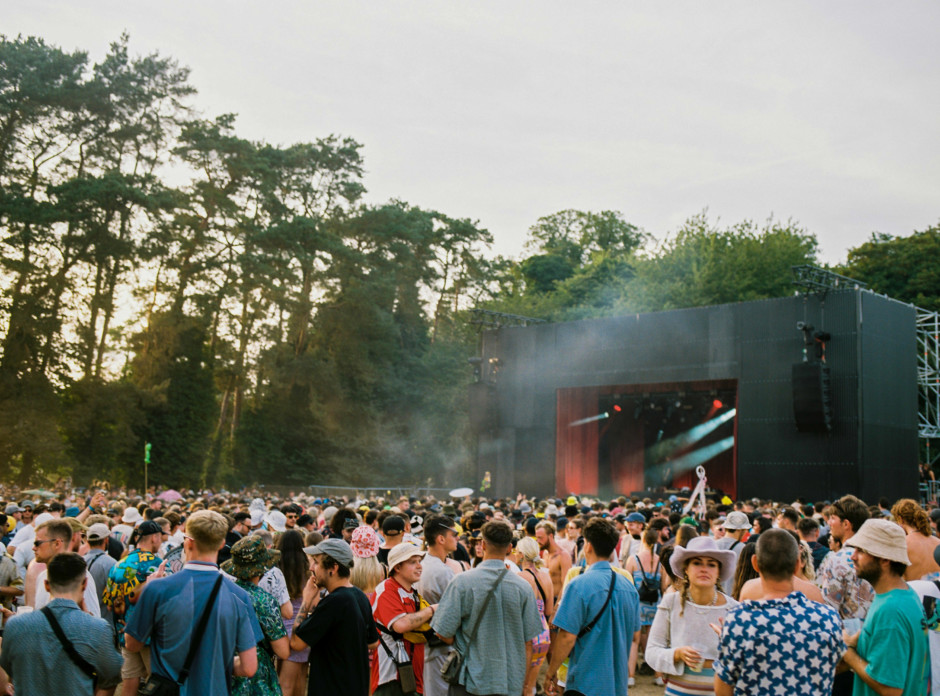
529, 548
207, 529
366, 573
806, 556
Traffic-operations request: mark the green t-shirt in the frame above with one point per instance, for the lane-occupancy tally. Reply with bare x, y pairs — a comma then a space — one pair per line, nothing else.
894, 643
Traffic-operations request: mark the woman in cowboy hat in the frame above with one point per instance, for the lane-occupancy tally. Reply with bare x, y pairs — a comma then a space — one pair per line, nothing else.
682, 644
250, 560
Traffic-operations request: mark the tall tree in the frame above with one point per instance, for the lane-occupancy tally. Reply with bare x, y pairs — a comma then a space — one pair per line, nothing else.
904, 268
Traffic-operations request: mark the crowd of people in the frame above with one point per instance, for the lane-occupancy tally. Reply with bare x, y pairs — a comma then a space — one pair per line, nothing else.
109, 592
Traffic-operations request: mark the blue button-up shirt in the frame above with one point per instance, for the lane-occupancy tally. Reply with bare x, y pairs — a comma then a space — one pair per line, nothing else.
598, 664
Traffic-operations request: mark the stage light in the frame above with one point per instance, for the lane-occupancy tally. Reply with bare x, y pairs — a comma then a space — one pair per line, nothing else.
591, 419
716, 404
693, 435
617, 408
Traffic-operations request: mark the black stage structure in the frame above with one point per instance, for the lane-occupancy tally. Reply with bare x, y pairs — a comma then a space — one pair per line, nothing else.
809, 396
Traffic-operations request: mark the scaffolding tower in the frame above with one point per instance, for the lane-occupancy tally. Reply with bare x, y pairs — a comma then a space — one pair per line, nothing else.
928, 379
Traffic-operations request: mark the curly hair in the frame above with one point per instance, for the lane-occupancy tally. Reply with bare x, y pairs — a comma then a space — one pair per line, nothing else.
908, 512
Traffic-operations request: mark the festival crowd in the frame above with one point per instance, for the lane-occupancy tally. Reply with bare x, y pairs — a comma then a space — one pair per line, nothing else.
202, 594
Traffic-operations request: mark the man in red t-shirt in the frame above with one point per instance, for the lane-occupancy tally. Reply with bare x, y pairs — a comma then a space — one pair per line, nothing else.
395, 610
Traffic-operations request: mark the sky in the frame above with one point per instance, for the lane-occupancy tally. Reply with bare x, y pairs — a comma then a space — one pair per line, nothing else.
821, 112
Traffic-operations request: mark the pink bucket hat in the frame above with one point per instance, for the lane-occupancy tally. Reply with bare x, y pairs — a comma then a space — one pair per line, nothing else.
365, 542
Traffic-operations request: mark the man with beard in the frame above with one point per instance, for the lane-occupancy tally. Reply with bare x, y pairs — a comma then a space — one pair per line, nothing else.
556, 559
339, 627
842, 589
889, 655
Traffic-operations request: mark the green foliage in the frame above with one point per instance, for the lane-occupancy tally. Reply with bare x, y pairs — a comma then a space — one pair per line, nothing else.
267, 326
172, 369
706, 265
102, 423
904, 268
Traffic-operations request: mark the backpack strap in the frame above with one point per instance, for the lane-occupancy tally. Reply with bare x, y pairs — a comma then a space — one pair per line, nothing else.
70, 650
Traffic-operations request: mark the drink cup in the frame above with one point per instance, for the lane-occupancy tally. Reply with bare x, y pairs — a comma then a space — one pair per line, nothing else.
700, 663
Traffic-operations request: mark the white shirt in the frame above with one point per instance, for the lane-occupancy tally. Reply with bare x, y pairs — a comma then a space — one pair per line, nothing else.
924, 588
91, 595
24, 535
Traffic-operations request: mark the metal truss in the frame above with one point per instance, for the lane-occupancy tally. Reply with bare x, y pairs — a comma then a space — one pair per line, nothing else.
488, 319
928, 378
813, 279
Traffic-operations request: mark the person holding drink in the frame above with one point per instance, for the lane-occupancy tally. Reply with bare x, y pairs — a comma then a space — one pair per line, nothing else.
682, 643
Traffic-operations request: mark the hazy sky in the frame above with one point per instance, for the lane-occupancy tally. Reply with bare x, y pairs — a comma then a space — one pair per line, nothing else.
825, 112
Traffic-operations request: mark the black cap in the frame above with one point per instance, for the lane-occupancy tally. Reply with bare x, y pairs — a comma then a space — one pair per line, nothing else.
393, 525
148, 527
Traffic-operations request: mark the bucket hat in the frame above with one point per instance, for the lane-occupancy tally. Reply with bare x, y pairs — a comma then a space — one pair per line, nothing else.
250, 558
881, 539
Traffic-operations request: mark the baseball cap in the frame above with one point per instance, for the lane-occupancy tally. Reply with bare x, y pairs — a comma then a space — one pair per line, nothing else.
336, 549
148, 527
393, 525
636, 517
98, 531
12, 508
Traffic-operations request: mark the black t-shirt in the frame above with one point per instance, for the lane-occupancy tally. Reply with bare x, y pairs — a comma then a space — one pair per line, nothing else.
338, 633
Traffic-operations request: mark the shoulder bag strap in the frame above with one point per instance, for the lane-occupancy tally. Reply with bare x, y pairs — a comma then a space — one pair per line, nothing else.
537, 584
70, 650
640, 563
200, 629
93, 561
486, 603
587, 629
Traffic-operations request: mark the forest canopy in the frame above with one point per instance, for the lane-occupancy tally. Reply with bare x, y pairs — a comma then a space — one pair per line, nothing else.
260, 322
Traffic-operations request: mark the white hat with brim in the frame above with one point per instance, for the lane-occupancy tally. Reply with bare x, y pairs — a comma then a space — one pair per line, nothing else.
703, 547
401, 553
881, 539
737, 520
131, 516
277, 521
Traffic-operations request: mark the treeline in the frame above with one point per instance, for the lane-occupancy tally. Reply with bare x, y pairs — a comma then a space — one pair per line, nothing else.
235, 303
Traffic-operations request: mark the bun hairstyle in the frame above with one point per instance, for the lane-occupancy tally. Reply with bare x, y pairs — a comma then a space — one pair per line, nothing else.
529, 548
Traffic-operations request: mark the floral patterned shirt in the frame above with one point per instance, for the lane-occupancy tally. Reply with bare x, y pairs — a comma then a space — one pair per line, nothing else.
841, 587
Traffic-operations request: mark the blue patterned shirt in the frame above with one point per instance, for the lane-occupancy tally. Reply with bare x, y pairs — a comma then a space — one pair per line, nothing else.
780, 647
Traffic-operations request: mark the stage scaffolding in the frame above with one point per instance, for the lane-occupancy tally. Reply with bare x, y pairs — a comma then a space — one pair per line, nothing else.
928, 380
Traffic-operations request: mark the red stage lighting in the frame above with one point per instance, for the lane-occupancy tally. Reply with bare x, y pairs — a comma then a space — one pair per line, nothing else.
716, 404
617, 408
